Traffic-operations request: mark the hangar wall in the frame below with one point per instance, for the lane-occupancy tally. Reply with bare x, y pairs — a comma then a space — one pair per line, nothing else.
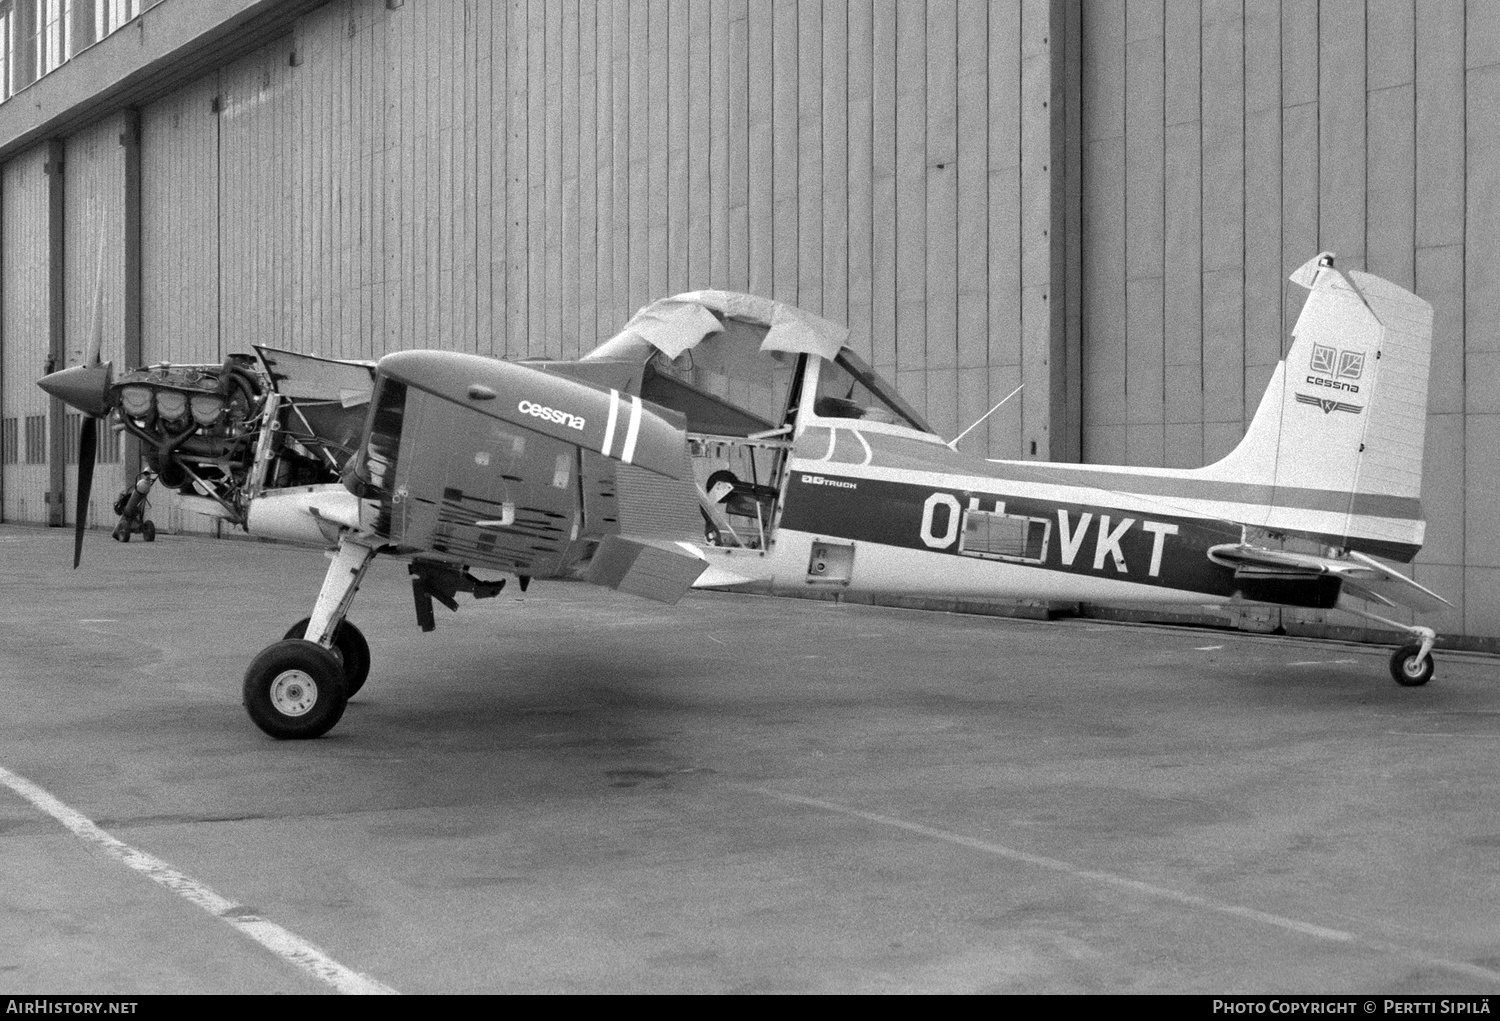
519, 178
1227, 141
1097, 198
180, 195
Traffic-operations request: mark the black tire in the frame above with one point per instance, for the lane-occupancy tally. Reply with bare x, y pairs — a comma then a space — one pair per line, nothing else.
295, 690
353, 651
1406, 671
148, 531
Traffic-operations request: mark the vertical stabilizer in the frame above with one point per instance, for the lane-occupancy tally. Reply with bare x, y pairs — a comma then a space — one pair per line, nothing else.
1337, 440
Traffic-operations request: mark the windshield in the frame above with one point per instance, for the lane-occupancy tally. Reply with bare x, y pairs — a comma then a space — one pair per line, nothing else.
848, 388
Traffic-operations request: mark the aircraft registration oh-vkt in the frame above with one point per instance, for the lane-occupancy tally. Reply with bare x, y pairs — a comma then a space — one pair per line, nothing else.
726, 440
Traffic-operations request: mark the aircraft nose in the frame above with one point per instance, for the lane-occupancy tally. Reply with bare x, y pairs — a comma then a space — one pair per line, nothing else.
85, 387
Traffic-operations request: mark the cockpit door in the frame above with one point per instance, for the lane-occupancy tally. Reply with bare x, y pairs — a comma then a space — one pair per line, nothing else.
740, 403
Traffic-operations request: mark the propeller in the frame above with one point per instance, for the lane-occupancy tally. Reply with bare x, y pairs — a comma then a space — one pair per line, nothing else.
88, 441
86, 387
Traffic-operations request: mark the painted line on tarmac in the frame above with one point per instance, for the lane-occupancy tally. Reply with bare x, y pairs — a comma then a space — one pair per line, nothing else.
286, 945
1432, 733
1134, 885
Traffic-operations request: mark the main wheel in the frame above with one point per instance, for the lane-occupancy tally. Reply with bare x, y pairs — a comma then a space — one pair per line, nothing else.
352, 650
1408, 671
295, 689
148, 531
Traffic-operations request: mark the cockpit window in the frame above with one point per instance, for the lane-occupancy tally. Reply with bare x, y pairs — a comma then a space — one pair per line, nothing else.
726, 385
848, 388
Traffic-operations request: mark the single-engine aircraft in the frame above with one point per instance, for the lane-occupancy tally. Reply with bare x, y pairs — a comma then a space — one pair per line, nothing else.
725, 440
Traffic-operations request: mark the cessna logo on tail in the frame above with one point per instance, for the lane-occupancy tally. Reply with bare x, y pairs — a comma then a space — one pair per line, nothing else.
1328, 405
550, 414
1330, 367
1341, 364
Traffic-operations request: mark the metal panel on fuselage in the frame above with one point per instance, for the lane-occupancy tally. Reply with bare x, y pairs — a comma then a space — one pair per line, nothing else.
1094, 544
459, 467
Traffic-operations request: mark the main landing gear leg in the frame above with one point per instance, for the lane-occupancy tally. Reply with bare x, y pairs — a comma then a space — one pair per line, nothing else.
297, 688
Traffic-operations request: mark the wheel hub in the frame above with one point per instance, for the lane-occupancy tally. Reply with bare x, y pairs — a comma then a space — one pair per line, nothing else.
294, 693
1412, 666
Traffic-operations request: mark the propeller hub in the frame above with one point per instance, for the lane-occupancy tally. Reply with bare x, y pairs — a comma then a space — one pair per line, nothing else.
84, 387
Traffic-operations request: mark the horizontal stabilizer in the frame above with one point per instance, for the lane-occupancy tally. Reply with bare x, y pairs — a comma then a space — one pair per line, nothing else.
656, 569
1363, 577
1389, 586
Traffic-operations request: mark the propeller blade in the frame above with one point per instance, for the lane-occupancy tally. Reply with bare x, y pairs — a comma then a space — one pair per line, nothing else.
96, 328
88, 440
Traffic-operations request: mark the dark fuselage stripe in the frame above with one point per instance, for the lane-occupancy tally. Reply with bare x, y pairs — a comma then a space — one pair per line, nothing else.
1100, 542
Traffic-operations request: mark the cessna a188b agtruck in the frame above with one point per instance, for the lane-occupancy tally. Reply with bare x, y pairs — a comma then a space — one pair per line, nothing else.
729, 440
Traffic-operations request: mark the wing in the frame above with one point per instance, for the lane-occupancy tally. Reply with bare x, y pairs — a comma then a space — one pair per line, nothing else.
1362, 576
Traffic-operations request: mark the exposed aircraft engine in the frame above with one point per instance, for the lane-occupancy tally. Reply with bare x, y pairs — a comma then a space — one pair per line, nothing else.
197, 424
220, 434
226, 432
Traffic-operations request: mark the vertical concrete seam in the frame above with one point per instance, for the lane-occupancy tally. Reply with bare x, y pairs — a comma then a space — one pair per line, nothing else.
1162, 255
1202, 290
1463, 285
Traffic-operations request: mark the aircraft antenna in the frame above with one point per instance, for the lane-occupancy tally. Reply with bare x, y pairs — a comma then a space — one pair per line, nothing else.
953, 443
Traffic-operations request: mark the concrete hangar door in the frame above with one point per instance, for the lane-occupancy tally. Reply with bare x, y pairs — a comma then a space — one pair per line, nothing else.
25, 334
180, 248
94, 203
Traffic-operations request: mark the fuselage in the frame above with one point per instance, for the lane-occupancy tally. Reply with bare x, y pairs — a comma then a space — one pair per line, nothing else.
881, 512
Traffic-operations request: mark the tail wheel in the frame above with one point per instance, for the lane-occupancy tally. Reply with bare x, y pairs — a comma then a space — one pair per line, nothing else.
1409, 670
352, 649
295, 689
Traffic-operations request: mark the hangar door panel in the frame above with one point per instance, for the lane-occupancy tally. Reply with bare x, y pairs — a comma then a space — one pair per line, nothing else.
179, 199
261, 271
94, 200
180, 249
23, 281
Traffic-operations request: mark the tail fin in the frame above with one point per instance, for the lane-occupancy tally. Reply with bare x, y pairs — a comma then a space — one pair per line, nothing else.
1338, 436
